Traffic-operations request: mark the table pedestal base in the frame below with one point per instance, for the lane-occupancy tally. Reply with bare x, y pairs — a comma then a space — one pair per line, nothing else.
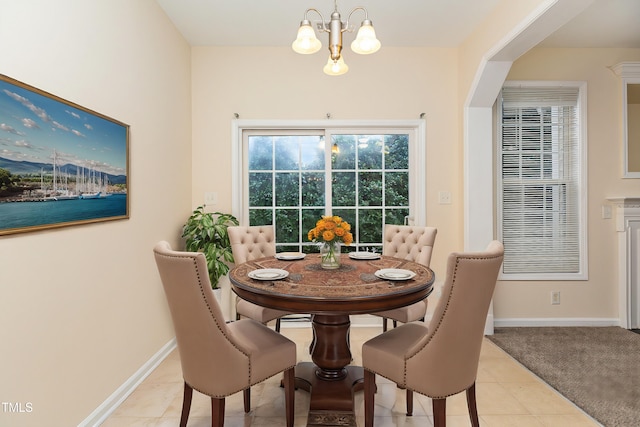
332, 402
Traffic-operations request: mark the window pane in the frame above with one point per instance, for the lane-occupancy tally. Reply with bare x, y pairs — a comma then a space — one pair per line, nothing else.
260, 189
260, 217
396, 189
260, 153
311, 153
313, 185
397, 151
287, 226
346, 159
343, 191
369, 228
395, 216
370, 189
287, 153
287, 189
370, 149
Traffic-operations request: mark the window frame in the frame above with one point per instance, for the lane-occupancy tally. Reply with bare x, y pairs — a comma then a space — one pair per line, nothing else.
581, 105
417, 154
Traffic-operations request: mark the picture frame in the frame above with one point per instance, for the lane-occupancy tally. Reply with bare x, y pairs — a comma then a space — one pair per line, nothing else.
61, 164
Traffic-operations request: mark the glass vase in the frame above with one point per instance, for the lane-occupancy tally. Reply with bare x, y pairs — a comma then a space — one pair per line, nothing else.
330, 255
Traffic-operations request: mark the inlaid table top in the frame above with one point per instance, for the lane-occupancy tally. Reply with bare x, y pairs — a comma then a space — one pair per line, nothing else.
353, 287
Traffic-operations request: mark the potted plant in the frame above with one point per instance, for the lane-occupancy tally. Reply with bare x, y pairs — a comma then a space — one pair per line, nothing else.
206, 232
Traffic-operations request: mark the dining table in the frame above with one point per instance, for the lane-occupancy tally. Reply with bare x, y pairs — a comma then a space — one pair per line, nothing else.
364, 283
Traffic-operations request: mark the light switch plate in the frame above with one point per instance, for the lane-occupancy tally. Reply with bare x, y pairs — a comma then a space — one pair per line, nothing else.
211, 198
444, 197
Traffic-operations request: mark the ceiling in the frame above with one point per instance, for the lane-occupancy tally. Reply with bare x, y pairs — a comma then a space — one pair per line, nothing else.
431, 23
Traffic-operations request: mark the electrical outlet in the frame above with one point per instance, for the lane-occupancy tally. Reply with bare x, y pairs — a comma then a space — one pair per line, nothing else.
555, 297
444, 197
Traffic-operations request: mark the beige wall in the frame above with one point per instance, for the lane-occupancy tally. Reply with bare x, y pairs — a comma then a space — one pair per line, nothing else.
596, 298
276, 83
82, 308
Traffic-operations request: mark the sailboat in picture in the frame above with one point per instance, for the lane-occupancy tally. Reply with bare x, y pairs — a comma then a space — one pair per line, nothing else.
93, 185
59, 184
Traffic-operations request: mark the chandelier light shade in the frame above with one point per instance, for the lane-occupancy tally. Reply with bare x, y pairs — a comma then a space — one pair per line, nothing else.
366, 41
335, 68
307, 42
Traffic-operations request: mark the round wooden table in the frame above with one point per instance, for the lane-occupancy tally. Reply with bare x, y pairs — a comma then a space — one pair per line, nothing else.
331, 296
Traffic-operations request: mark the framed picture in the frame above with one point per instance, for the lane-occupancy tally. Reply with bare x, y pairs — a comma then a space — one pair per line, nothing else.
60, 164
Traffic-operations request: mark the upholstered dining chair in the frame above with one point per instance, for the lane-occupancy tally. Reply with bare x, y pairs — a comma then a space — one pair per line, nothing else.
412, 243
249, 243
439, 359
218, 359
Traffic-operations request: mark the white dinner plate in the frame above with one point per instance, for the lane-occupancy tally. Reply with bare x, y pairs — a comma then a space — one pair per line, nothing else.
268, 274
395, 274
364, 255
287, 256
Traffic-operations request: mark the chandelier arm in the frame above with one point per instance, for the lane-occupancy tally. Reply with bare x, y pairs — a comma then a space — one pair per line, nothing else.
366, 16
324, 24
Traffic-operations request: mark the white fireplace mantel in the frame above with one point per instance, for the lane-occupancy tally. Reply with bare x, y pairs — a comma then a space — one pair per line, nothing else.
627, 218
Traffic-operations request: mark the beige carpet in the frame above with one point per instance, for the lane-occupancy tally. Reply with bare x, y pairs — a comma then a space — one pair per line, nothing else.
596, 368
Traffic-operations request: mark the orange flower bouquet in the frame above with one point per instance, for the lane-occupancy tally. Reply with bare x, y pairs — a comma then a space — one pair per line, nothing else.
331, 231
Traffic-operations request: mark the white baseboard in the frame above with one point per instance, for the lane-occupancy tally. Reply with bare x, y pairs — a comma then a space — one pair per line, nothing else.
560, 321
107, 407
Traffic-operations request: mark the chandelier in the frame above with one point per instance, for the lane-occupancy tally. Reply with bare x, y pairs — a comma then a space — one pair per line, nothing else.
364, 43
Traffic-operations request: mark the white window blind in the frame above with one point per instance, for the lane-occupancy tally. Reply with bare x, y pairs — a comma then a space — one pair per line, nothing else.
540, 183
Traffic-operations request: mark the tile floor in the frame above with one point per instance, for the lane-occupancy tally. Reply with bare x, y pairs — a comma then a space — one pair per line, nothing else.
507, 395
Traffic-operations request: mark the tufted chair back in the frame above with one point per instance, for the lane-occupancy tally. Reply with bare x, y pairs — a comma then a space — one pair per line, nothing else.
408, 242
251, 242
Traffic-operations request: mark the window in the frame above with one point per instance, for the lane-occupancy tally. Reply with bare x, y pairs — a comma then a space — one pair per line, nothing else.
541, 181
291, 176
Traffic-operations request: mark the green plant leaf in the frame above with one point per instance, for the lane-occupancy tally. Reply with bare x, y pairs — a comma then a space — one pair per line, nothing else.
207, 233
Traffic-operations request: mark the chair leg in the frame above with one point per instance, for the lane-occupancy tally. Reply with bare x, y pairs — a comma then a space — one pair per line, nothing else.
439, 412
471, 404
395, 323
289, 395
409, 402
246, 394
186, 404
278, 324
384, 324
369, 397
217, 412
